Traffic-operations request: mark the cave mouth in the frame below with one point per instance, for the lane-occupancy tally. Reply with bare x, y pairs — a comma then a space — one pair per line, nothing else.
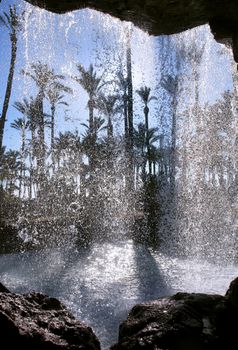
119, 158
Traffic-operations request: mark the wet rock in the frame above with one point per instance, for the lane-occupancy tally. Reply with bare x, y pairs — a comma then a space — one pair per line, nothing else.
3, 289
163, 17
232, 293
182, 322
35, 321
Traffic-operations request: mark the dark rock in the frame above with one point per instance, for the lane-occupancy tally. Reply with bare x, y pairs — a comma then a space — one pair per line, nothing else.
163, 17
35, 321
183, 322
3, 289
232, 293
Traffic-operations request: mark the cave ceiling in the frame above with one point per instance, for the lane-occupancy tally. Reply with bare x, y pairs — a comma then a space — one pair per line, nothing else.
163, 16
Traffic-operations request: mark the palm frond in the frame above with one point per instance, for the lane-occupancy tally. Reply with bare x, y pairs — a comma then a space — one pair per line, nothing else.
4, 22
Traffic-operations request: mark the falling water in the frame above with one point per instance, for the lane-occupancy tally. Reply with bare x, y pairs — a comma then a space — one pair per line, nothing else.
92, 247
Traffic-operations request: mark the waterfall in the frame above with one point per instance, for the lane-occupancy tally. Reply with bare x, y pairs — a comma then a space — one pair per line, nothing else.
192, 117
206, 170
119, 171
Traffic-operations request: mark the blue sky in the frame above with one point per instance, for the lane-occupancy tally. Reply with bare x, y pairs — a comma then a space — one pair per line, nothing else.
87, 37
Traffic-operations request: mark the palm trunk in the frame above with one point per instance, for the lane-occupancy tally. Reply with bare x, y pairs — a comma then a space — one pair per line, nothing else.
31, 180
91, 118
41, 142
130, 141
125, 99
32, 157
92, 132
146, 112
9, 86
20, 185
53, 136
173, 146
110, 129
22, 162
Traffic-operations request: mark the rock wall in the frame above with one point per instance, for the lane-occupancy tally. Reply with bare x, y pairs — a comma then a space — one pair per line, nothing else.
163, 16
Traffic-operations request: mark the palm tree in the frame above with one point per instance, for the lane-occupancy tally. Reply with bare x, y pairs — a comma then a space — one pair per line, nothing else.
140, 151
107, 105
144, 94
69, 159
155, 156
11, 168
129, 89
130, 141
194, 56
55, 97
21, 124
67, 144
13, 22
89, 139
170, 84
45, 80
2, 161
61, 144
92, 84
122, 83
30, 109
143, 138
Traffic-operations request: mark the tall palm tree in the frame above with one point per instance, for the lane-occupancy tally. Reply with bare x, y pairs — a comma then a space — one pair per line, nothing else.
130, 117
11, 167
107, 105
89, 139
45, 79
155, 156
170, 84
144, 94
122, 84
140, 151
129, 87
194, 56
21, 124
30, 109
13, 22
2, 160
55, 97
62, 143
69, 159
143, 138
92, 84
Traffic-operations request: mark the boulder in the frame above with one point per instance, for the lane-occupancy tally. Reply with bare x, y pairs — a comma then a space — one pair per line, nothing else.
183, 322
163, 17
35, 321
